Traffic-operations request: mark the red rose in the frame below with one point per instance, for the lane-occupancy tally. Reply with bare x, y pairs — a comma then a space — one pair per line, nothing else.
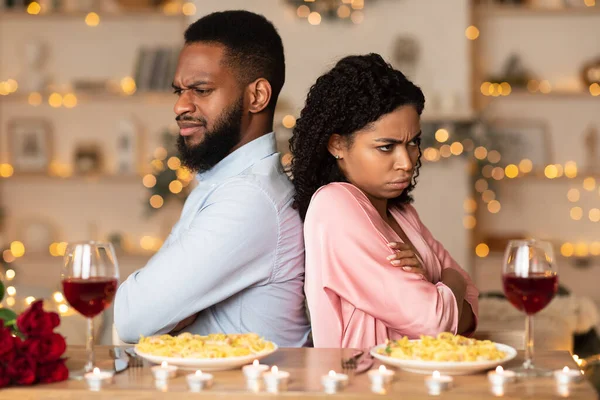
4, 378
7, 344
22, 370
36, 322
53, 371
45, 348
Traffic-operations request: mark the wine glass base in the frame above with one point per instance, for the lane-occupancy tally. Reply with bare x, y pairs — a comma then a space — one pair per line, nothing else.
531, 372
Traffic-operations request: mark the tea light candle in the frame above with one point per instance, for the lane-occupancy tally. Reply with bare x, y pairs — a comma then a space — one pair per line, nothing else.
253, 374
437, 382
500, 376
276, 380
333, 382
164, 371
96, 378
567, 375
255, 370
199, 381
380, 378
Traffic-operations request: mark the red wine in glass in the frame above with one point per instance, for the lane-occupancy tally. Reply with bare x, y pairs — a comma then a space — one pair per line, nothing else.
530, 294
90, 296
89, 277
530, 281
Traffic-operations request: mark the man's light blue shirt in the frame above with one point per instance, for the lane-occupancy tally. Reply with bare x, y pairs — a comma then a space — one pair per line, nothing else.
236, 257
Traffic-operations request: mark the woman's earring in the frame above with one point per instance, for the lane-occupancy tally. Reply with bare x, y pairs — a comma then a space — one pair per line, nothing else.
337, 157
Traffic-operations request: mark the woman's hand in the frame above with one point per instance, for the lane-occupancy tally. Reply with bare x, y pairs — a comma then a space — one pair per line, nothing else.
406, 259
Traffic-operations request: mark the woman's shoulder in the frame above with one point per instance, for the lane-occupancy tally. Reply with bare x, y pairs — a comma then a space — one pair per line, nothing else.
339, 199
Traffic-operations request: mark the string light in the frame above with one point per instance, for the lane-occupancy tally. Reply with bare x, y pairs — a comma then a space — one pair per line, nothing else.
17, 249
481, 185
576, 213
442, 135
488, 196
551, 171
494, 157
595, 89
174, 163
573, 195
445, 151
6, 170
189, 9
175, 187
149, 181
63, 308
469, 222
10, 301
55, 100
29, 300
69, 100
456, 148
589, 184
533, 86
570, 169
58, 297
594, 215
482, 250
480, 153
314, 18
34, 8
567, 249
472, 32
511, 171
156, 201
486, 171
160, 153
289, 121
128, 85
545, 87
10, 274
8, 256
494, 206
470, 205
357, 17
581, 250
92, 19
343, 11
303, 11
11, 291
498, 173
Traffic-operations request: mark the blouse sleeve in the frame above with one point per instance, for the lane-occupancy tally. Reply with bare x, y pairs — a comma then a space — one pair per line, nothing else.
352, 251
446, 261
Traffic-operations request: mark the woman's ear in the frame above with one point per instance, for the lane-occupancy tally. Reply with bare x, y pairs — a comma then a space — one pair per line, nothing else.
336, 146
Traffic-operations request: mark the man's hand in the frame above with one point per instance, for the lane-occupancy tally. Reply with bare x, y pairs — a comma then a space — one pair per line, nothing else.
186, 322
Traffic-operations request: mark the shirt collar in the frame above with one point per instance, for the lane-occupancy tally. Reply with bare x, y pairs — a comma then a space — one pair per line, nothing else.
241, 159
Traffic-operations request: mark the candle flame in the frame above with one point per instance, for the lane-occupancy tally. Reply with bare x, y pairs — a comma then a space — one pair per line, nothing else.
566, 370
164, 364
96, 371
255, 363
332, 373
499, 369
198, 372
274, 369
436, 374
382, 368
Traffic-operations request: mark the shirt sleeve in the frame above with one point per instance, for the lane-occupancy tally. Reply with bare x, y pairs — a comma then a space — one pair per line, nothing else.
228, 247
446, 261
354, 267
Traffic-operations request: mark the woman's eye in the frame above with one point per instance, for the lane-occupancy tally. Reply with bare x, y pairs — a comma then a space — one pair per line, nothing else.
387, 148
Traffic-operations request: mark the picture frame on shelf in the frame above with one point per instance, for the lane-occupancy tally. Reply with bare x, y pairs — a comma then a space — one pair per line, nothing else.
38, 233
524, 139
30, 145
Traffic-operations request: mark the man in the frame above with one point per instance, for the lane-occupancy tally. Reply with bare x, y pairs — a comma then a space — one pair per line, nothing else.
234, 262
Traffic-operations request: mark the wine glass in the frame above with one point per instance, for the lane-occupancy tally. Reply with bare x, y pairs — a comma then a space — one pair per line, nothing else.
530, 280
89, 278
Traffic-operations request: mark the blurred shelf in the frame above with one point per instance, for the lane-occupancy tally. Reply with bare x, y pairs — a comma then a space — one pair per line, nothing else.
104, 15
523, 94
83, 97
97, 178
539, 176
434, 116
498, 10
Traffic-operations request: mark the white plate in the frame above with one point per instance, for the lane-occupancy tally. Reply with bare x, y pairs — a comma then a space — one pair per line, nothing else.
445, 367
208, 364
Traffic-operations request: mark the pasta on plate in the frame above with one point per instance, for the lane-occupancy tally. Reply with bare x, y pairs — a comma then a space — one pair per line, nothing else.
218, 345
444, 347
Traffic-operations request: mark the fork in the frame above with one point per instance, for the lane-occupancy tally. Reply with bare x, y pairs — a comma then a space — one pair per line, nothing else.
349, 364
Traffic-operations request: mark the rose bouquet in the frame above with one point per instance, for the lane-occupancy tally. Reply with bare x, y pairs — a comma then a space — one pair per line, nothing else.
30, 351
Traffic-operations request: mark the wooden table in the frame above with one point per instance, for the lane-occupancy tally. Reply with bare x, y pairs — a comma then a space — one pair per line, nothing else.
306, 367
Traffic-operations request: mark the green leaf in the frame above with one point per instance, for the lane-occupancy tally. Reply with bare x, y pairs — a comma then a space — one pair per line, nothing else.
1, 291
8, 316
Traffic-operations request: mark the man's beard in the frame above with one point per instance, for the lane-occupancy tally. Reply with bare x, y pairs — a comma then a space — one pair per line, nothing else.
217, 143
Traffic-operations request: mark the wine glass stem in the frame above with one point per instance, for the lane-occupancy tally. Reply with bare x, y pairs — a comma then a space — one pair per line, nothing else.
89, 366
528, 342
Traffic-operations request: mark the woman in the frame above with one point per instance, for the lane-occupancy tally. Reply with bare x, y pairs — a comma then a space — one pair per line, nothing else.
373, 270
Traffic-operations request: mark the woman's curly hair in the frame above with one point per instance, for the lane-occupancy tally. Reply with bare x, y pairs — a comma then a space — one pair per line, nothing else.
356, 92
